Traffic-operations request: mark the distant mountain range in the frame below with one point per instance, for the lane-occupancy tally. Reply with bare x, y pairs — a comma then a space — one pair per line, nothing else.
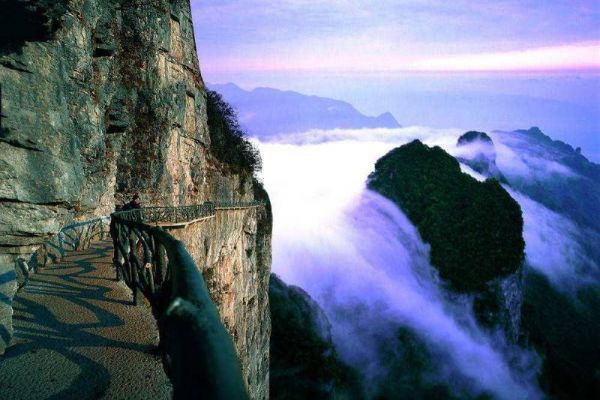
576, 194
557, 175
266, 112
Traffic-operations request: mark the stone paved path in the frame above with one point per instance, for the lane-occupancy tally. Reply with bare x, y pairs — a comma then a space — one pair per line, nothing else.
79, 337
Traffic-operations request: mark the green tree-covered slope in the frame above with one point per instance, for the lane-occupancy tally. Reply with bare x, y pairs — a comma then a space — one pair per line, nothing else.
474, 228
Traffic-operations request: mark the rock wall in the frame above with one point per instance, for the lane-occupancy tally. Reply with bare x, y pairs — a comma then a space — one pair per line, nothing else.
498, 305
101, 99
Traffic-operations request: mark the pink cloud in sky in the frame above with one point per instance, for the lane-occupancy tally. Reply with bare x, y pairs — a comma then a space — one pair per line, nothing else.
583, 56
580, 56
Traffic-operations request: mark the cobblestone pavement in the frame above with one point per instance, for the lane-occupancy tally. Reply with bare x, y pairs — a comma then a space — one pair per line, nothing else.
77, 336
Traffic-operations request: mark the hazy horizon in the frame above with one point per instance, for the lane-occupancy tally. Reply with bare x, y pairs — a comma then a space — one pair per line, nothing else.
491, 65
565, 107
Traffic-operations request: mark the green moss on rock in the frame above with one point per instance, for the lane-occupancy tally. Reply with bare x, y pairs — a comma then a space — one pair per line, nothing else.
474, 228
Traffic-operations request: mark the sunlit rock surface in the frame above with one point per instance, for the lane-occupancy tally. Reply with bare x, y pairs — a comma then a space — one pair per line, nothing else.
101, 99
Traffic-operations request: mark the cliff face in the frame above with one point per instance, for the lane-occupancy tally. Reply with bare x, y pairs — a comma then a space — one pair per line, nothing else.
233, 252
304, 361
100, 99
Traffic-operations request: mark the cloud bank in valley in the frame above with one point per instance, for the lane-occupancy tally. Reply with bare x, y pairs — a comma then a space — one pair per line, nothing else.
554, 242
362, 260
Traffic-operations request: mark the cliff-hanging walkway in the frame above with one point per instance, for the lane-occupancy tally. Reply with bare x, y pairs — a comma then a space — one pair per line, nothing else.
79, 336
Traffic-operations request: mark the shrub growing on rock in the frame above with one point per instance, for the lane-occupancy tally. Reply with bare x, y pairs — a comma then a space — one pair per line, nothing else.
228, 139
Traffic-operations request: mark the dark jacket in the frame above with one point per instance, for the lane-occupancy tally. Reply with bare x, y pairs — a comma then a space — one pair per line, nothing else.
130, 206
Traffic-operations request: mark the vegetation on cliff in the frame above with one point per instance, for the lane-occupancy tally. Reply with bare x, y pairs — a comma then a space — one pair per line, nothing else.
227, 139
564, 329
304, 364
474, 228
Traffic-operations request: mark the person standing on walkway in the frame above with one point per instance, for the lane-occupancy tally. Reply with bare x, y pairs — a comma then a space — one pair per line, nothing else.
133, 204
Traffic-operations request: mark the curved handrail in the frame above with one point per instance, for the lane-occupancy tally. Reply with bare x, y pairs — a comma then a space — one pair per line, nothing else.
198, 352
75, 242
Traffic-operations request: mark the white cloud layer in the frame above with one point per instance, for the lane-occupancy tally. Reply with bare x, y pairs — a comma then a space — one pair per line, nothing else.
555, 244
363, 261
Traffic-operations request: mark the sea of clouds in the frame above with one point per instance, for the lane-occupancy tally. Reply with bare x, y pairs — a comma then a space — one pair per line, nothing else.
342, 159
359, 256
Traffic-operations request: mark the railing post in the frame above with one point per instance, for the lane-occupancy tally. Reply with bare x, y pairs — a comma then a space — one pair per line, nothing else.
135, 289
161, 263
133, 272
61, 245
115, 233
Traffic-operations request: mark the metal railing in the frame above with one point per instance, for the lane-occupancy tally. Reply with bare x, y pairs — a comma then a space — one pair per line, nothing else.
72, 237
232, 205
198, 352
158, 215
155, 215
75, 236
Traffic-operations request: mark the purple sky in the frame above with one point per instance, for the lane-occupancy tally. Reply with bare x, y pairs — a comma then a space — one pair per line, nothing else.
396, 35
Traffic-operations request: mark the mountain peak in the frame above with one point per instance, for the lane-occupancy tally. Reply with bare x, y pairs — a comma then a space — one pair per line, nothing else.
473, 136
388, 120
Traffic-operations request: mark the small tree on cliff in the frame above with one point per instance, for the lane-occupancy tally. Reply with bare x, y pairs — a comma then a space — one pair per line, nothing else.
228, 139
